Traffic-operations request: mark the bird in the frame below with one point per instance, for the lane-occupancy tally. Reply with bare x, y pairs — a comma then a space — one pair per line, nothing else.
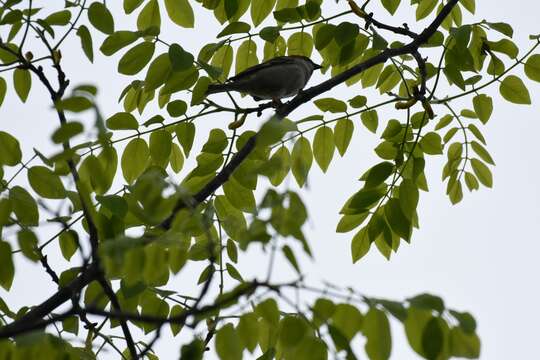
275, 79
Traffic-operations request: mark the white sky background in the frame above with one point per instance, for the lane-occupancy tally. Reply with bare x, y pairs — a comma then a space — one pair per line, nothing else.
479, 256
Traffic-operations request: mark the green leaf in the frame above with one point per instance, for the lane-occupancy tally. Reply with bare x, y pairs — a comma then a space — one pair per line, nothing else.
300, 43
216, 143
482, 172
397, 220
269, 311
100, 17
503, 28
122, 121
24, 206
425, 7
358, 101
391, 5
370, 119
343, 132
350, 222
199, 91
149, 16
3, 90
59, 18
46, 183
185, 133
223, 59
71, 324
260, 9
433, 338
324, 36
376, 328
345, 33
483, 107
466, 321
28, 242
323, 147
176, 310
235, 28
348, 319
10, 150
228, 346
160, 146
180, 59
280, 164
117, 41
291, 331
513, 90
408, 198
22, 82
180, 12
176, 108
469, 5
158, 72
74, 104
177, 158
532, 67
134, 159
233, 272
289, 255
7, 270
331, 105
131, 5
378, 174
427, 302
69, 243
247, 330
270, 33
431, 143
504, 46
136, 58
246, 56
239, 196
86, 42
464, 345
360, 245
366, 198
482, 152
301, 160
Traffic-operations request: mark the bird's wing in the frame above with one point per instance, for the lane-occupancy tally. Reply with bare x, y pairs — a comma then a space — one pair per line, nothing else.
249, 71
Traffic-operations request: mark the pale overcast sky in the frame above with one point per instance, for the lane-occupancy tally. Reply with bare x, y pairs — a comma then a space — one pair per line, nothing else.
480, 256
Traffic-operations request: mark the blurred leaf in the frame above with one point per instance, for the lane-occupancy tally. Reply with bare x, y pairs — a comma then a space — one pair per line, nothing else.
46, 183
376, 328
301, 160
228, 346
260, 9
24, 206
7, 270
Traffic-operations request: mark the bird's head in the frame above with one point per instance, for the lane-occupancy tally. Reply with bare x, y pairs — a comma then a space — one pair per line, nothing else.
308, 63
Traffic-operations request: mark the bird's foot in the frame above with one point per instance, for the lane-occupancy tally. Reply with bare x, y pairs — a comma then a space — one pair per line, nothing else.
276, 103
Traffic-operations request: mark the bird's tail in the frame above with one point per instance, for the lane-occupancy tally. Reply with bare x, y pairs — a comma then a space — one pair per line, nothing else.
218, 88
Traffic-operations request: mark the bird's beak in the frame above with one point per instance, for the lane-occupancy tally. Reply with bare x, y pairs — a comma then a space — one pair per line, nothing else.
317, 66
